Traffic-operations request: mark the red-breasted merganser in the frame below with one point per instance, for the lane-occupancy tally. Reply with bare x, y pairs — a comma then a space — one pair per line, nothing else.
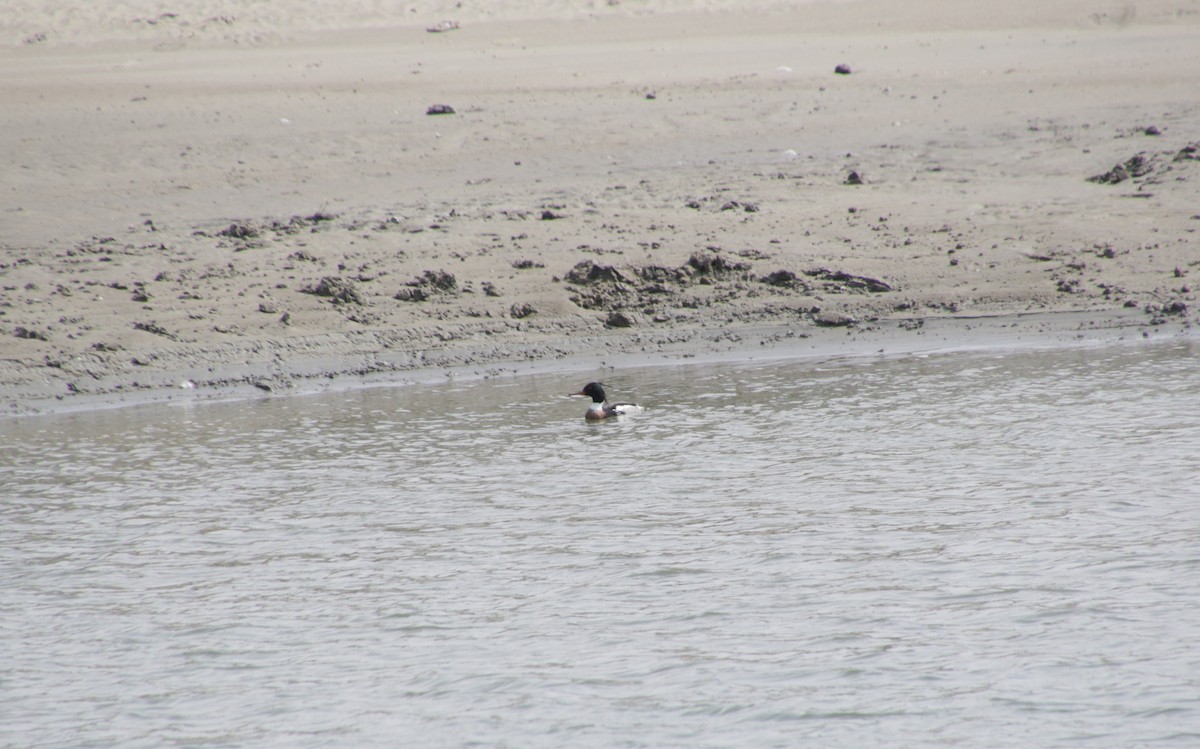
601, 409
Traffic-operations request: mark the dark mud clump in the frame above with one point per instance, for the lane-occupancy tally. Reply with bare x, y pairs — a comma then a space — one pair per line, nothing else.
1160, 312
842, 281
1147, 167
29, 334
155, 328
784, 279
428, 284
1188, 153
240, 230
617, 319
708, 267
521, 311
1138, 165
339, 290
707, 278
298, 224
587, 272
607, 287
834, 320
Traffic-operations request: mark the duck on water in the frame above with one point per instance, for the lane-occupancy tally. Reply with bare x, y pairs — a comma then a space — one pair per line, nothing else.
601, 409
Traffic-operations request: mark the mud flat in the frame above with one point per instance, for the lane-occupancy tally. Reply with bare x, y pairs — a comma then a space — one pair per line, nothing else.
211, 204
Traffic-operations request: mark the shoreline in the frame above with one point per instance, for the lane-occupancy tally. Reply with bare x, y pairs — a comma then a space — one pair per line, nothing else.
934, 336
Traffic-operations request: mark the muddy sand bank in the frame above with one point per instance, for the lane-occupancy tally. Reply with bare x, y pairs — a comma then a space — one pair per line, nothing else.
273, 213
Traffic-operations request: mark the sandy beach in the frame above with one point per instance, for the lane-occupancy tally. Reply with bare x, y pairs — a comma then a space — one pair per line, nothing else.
202, 200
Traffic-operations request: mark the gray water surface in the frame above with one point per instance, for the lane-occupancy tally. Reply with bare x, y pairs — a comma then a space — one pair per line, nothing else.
983, 549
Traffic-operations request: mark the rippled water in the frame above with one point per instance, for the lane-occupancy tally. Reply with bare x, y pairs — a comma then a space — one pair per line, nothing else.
997, 549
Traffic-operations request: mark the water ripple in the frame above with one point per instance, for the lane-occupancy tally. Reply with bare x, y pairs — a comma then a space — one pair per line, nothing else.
920, 552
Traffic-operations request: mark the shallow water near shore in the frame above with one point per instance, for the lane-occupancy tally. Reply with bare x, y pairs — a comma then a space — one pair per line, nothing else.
997, 548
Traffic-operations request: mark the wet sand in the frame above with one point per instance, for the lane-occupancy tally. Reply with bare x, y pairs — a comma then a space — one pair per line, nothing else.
209, 205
